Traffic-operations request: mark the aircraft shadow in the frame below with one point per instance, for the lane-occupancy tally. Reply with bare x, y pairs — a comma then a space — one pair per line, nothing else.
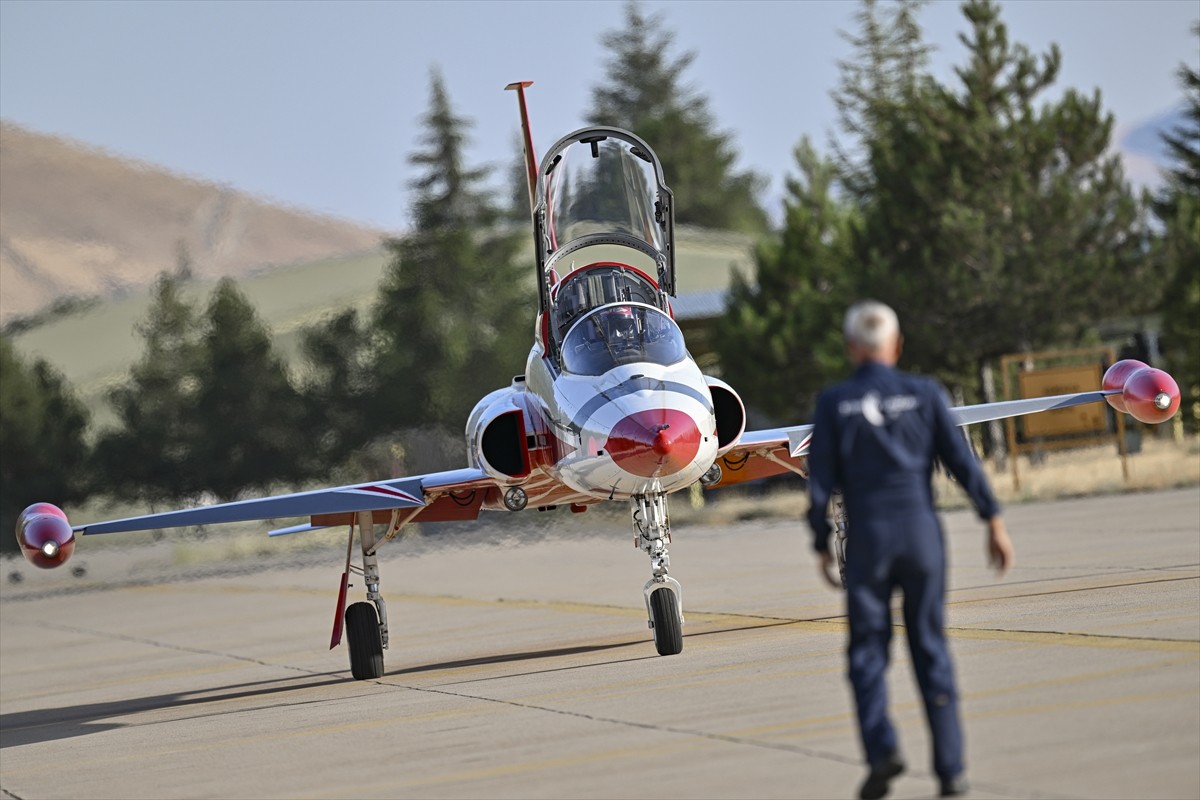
532, 655
65, 722
567, 651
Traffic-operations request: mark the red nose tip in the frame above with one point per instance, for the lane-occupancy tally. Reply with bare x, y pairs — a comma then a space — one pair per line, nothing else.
655, 442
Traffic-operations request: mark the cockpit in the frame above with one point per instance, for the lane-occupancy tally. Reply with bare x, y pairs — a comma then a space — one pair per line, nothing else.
619, 334
605, 233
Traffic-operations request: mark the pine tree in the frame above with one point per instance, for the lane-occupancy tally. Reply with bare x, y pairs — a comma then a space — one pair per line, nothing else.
995, 221
780, 340
878, 83
251, 416
43, 453
338, 387
148, 456
453, 317
1178, 208
644, 92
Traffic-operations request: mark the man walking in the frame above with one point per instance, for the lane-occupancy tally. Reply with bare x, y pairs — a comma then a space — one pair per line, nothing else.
876, 438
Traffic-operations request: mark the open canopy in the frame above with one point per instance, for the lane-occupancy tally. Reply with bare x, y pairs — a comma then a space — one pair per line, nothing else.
601, 199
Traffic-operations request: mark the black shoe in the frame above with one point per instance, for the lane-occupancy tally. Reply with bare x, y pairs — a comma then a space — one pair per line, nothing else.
876, 784
954, 787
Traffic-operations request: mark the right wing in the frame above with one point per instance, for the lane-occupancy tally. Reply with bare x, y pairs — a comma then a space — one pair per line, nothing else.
774, 451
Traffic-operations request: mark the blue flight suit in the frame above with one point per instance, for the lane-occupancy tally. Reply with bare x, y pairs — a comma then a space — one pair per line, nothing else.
876, 438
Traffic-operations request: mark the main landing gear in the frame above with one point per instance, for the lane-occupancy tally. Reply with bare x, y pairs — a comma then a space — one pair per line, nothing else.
838, 507
366, 622
664, 595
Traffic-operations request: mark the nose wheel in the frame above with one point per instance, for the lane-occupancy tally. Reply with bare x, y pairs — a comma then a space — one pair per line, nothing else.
663, 594
666, 620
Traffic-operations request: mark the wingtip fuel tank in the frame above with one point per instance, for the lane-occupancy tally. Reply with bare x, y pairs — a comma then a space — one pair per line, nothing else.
1147, 394
45, 535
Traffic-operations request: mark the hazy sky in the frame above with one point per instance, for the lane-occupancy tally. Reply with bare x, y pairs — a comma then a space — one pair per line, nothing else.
316, 103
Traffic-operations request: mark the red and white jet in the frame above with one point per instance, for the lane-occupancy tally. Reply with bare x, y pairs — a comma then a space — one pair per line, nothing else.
611, 406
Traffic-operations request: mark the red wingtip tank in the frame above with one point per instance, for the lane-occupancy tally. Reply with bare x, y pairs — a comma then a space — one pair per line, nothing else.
1148, 395
45, 536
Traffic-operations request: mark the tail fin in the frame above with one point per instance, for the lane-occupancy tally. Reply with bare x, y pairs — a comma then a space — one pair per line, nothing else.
527, 139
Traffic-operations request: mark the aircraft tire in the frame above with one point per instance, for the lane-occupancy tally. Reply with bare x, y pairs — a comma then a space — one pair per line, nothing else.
668, 635
365, 643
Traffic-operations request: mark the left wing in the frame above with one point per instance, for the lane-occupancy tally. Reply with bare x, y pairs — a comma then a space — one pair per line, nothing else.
774, 451
464, 489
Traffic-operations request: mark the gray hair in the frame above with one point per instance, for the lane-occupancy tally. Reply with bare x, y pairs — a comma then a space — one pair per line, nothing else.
870, 325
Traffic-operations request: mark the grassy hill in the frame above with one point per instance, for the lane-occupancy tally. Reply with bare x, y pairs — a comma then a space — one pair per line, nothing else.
95, 347
75, 221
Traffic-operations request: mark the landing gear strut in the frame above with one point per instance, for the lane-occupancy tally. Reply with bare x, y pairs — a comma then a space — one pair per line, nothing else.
366, 623
838, 506
664, 595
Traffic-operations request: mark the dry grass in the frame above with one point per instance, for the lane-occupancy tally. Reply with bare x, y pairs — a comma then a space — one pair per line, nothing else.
1161, 464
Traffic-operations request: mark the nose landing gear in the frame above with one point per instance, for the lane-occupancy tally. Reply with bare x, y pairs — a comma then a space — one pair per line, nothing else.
664, 595
838, 504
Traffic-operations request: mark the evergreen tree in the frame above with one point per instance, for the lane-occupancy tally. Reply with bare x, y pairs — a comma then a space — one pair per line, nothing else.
1178, 209
643, 91
995, 221
517, 186
878, 83
251, 417
453, 317
207, 408
148, 456
780, 340
1183, 143
338, 388
42, 449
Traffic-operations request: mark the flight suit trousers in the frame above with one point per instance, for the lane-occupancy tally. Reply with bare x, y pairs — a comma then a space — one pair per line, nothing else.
920, 576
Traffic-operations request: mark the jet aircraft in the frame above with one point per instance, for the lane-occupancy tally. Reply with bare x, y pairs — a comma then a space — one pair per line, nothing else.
611, 406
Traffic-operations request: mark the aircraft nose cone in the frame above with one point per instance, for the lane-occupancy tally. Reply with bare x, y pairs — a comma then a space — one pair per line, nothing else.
655, 442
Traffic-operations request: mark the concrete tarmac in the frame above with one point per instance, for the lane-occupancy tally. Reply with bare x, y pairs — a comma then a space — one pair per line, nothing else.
526, 670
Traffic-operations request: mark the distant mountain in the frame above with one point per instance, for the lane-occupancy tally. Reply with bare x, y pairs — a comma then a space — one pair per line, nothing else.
75, 221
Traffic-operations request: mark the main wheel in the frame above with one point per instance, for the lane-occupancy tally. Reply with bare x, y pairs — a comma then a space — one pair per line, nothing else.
366, 645
664, 613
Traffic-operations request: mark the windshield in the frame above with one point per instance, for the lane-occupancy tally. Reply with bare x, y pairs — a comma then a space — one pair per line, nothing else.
621, 334
602, 185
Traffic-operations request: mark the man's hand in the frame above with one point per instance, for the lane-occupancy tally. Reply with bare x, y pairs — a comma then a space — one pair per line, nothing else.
828, 569
999, 546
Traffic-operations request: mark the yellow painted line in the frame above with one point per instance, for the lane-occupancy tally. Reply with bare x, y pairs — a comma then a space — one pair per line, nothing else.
846, 717
1143, 623
622, 755
149, 677
1077, 640
664, 682
749, 621
1095, 702
1072, 585
910, 713
476, 710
